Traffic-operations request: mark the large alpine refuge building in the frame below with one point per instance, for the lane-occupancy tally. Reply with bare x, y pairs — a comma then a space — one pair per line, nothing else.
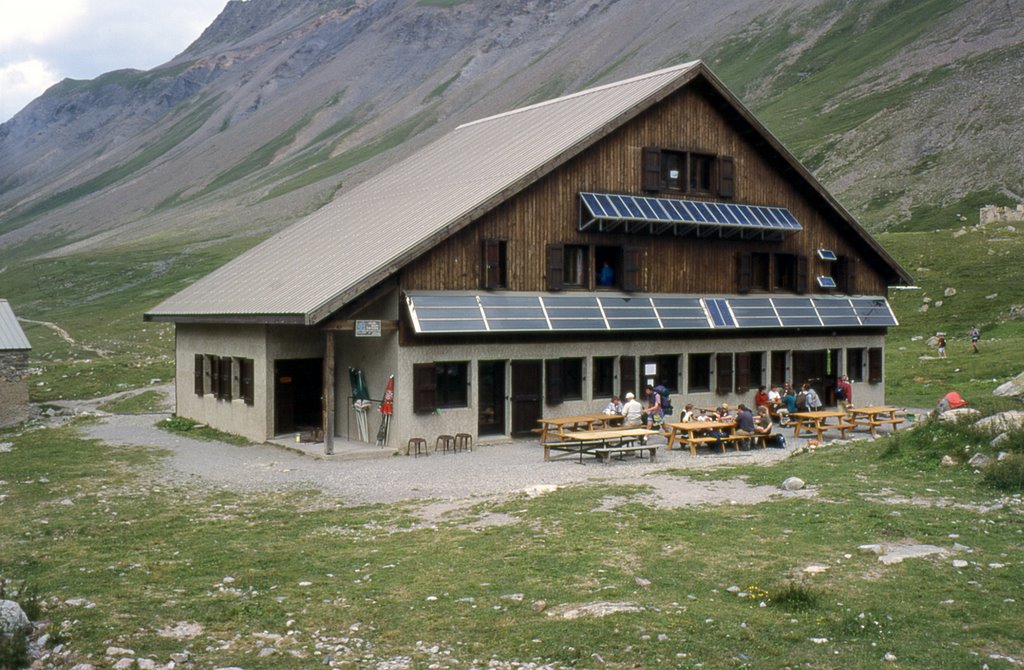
536, 262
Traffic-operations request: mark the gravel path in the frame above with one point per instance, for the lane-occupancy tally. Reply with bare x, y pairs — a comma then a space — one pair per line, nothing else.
488, 471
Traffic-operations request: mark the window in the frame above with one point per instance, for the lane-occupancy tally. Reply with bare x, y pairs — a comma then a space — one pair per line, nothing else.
604, 376
665, 371
760, 275
784, 272
845, 274
440, 386
855, 364
699, 373
673, 167
779, 367
495, 264
574, 267
246, 381
607, 267
563, 379
748, 370
701, 173
875, 365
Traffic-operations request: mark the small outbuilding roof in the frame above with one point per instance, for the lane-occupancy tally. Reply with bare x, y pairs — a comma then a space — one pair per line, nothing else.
317, 265
12, 337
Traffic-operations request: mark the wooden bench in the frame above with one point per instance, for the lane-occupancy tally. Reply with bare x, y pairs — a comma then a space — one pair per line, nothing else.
605, 453
583, 447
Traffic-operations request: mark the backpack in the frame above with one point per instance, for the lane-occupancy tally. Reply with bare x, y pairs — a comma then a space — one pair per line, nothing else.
801, 401
666, 402
840, 392
779, 440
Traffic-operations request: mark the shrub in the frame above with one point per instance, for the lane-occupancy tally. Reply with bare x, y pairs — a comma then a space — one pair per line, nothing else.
795, 597
1007, 474
13, 652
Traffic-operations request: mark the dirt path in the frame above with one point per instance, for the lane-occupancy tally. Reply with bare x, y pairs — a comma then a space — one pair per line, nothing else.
65, 335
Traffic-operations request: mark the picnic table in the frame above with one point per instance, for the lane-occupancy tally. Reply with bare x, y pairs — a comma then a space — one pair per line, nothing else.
693, 434
818, 422
873, 417
602, 443
561, 426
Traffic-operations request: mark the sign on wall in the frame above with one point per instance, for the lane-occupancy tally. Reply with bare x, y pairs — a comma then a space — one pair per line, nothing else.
367, 328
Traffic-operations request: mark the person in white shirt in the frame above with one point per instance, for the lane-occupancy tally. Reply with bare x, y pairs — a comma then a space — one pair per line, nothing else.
632, 412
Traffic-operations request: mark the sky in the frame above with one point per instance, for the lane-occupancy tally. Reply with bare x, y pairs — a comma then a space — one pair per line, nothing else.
44, 41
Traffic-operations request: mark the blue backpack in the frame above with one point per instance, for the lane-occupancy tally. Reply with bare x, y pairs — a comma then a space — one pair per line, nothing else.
666, 401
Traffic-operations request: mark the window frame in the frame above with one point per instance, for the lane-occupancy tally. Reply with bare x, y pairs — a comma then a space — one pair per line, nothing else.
856, 357
698, 372
494, 264
602, 371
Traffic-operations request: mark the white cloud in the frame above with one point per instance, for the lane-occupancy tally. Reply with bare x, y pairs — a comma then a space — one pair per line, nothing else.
21, 83
82, 39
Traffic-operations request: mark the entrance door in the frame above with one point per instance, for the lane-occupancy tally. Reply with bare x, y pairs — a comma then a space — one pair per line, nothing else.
298, 385
491, 419
526, 396
627, 377
809, 367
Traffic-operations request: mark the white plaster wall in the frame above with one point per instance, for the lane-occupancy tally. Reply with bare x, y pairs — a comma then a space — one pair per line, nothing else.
464, 420
235, 416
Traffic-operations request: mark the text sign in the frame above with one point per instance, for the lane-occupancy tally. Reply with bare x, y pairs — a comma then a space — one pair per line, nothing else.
367, 328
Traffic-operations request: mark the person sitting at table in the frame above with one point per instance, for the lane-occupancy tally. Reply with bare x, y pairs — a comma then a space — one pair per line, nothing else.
704, 416
744, 422
774, 397
722, 413
813, 401
763, 422
613, 407
687, 414
761, 397
789, 399
632, 412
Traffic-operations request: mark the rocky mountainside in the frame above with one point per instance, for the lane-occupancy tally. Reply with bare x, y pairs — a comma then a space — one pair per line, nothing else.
899, 106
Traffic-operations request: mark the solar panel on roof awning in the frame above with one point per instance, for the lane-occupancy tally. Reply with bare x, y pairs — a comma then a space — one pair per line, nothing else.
459, 313
610, 212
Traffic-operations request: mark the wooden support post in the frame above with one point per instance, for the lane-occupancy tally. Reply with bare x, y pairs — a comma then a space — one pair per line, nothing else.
328, 393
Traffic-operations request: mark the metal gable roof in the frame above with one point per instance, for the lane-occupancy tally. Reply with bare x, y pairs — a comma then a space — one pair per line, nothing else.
12, 337
313, 267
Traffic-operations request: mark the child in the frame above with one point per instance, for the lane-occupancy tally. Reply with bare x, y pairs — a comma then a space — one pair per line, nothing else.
942, 346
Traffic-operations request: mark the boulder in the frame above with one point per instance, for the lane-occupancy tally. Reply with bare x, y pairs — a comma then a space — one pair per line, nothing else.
12, 618
979, 461
793, 484
948, 460
1011, 389
959, 414
1003, 421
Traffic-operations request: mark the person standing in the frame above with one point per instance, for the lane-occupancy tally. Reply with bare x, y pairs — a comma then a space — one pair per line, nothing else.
942, 346
975, 336
844, 394
655, 413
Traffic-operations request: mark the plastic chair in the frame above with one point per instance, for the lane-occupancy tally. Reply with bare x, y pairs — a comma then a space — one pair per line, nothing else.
463, 441
417, 446
445, 442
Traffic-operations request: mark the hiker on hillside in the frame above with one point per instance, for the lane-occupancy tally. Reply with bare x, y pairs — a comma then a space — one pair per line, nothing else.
975, 336
942, 346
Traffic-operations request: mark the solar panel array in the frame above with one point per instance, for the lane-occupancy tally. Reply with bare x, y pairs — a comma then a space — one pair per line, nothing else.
517, 312
671, 211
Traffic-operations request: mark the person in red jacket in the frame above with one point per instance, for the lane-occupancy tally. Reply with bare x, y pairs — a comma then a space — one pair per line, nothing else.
761, 397
844, 394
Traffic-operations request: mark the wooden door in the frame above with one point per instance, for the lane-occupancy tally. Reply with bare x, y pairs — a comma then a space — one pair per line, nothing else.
526, 396
627, 377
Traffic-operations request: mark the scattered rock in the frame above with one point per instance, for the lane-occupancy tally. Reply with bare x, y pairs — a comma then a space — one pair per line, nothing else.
540, 489
643, 583
889, 656
12, 618
145, 664
539, 605
896, 553
1003, 421
1003, 455
793, 484
923, 308
598, 609
948, 460
938, 303
999, 440
979, 461
119, 651
815, 569
991, 296
949, 292
960, 563
6, 446
183, 630
873, 548
959, 414
124, 663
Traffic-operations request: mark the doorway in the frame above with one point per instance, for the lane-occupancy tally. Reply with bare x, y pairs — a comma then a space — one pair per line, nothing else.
809, 367
298, 385
491, 417
526, 396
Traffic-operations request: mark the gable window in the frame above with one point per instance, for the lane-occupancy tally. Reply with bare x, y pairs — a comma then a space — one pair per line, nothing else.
604, 376
698, 378
574, 267
440, 386
701, 172
495, 264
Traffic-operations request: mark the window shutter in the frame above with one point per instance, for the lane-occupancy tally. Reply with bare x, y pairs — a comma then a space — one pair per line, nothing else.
631, 277
214, 376
246, 385
742, 372
875, 365
651, 180
726, 177
723, 373
801, 274
491, 264
744, 271
627, 375
225, 378
556, 266
846, 271
198, 374
554, 391
424, 381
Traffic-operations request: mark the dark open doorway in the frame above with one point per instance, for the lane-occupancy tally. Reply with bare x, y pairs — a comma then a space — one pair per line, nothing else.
491, 418
298, 385
526, 396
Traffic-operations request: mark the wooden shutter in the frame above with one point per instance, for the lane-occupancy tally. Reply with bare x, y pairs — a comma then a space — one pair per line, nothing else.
801, 274
627, 376
742, 372
651, 180
726, 177
744, 271
556, 266
424, 382
246, 384
491, 264
723, 373
554, 391
875, 365
631, 268
224, 372
846, 274
214, 376
198, 375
